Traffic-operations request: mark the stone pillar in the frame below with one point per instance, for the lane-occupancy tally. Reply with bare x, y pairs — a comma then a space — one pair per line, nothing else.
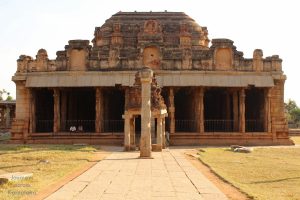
126, 132
235, 111
242, 121
145, 144
7, 119
164, 132
153, 133
159, 134
172, 111
63, 111
201, 111
267, 123
56, 121
132, 133
99, 111
32, 119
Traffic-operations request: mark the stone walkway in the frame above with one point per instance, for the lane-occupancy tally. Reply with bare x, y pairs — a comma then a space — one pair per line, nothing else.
122, 175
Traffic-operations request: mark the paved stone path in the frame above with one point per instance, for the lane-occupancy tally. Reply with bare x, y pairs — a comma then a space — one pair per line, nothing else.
122, 175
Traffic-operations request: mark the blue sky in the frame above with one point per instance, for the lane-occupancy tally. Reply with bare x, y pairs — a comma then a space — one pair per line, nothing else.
27, 26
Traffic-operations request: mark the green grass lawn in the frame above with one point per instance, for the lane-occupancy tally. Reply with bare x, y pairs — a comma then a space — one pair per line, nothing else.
63, 160
266, 173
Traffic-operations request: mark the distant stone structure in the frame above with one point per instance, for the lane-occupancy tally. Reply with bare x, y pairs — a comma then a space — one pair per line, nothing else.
7, 114
197, 92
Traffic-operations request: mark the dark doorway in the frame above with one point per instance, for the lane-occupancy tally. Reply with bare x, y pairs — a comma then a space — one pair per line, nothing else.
254, 110
185, 110
78, 109
44, 110
114, 101
218, 110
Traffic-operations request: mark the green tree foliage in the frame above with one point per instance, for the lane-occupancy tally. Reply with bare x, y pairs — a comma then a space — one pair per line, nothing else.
2, 92
292, 111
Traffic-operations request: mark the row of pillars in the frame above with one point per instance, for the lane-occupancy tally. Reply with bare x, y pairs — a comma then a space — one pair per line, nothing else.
60, 110
129, 132
238, 110
238, 105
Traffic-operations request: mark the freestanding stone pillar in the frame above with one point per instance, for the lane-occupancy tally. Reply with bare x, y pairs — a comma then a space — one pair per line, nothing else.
146, 75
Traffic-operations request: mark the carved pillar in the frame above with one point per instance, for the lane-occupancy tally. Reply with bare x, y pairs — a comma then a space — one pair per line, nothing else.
32, 119
132, 133
145, 144
153, 128
235, 111
164, 132
63, 111
201, 111
242, 111
159, 133
56, 121
99, 111
172, 111
126, 132
267, 123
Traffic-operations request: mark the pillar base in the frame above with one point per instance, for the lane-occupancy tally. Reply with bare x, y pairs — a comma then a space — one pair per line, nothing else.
156, 147
145, 154
146, 157
127, 148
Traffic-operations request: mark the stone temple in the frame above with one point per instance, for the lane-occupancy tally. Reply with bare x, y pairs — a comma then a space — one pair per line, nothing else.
147, 79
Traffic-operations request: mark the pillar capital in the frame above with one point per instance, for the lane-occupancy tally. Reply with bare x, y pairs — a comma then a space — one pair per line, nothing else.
146, 73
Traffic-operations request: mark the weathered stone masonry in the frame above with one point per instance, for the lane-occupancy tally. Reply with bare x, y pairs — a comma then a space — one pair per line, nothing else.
202, 91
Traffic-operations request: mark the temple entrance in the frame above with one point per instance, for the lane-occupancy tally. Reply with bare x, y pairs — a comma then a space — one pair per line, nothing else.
220, 110
254, 110
44, 110
78, 109
114, 100
185, 110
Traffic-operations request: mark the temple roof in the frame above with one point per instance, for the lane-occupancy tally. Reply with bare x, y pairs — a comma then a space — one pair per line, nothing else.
167, 26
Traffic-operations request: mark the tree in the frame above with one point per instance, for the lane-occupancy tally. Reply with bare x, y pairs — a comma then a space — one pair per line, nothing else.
292, 111
2, 92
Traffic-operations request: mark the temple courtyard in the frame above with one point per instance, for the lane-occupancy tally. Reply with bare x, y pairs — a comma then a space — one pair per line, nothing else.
107, 172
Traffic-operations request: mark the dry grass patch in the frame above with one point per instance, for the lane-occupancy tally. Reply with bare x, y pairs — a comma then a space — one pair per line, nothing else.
266, 173
48, 163
296, 139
